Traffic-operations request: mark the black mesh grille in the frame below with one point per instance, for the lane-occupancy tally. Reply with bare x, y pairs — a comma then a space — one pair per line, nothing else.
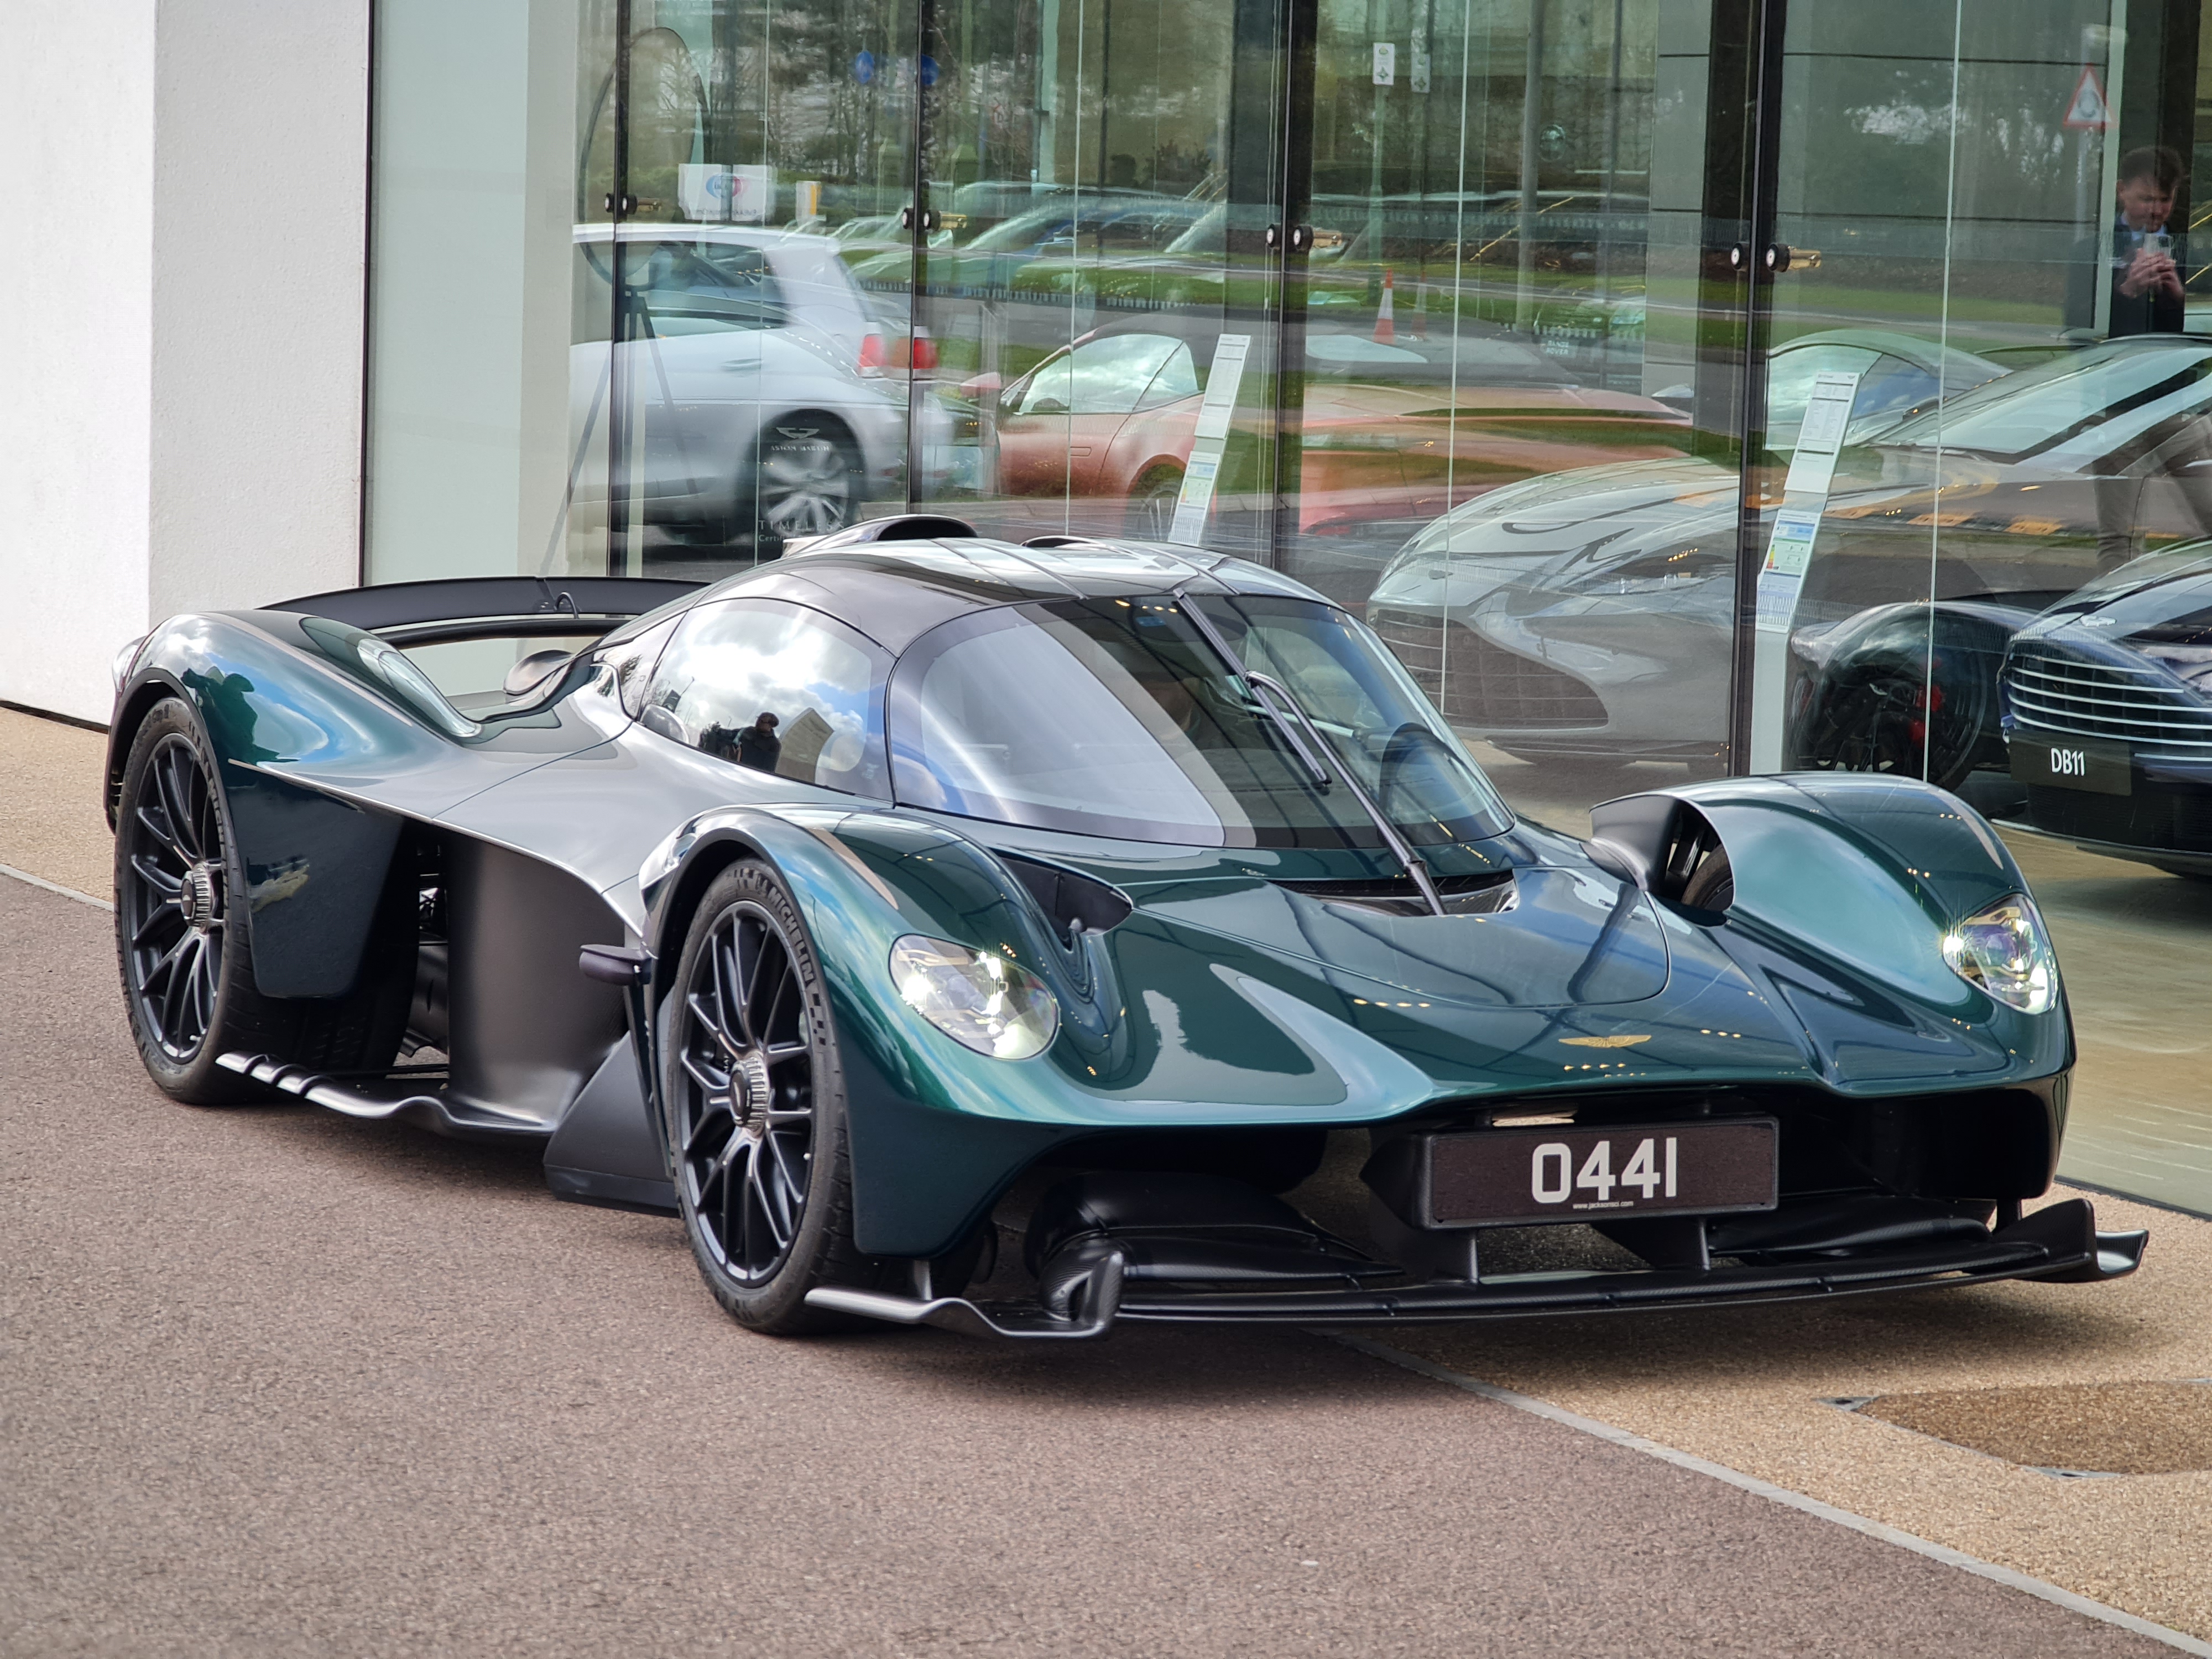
1476, 683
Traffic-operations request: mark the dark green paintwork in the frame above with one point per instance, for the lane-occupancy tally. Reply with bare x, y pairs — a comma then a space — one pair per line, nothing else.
1223, 999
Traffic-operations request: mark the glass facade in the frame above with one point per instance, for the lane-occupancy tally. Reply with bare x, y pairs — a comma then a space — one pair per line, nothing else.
1677, 387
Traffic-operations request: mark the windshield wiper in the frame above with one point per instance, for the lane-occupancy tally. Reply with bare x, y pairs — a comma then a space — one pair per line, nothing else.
1400, 849
1274, 692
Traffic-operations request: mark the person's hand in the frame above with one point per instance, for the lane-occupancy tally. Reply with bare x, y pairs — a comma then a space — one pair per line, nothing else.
2151, 270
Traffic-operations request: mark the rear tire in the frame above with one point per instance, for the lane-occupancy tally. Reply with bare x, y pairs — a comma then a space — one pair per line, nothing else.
185, 953
755, 1101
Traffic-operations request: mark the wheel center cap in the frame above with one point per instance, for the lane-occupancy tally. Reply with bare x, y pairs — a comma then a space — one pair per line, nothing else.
751, 1088
195, 898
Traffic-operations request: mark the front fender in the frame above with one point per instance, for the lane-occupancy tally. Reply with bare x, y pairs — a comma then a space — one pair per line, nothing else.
1856, 878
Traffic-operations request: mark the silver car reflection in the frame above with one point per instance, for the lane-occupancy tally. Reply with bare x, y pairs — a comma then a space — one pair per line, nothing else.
1590, 612
750, 369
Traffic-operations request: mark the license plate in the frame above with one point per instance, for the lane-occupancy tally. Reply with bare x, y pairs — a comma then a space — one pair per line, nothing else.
2098, 765
1556, 1172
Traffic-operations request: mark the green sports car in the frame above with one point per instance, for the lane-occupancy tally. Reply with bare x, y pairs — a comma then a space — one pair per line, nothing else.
1123, 905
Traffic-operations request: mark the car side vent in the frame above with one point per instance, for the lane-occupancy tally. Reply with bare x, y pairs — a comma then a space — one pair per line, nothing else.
1480, 895
1069, 897
1667, 847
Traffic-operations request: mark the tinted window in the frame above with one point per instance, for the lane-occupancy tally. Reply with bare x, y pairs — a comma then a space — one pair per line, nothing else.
1113, 717
733, 662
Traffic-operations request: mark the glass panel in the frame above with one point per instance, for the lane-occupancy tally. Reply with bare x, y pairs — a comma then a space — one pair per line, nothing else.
488, 357
763, 394
776, 688
1091, 164
1986, 565
1495, 456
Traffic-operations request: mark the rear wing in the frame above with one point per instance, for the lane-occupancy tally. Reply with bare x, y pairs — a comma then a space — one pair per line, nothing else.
492, 607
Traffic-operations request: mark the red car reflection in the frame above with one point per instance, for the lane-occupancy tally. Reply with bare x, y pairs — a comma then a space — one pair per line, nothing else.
1100, 433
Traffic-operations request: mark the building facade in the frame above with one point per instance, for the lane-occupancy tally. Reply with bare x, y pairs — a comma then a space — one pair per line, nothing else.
1678, 386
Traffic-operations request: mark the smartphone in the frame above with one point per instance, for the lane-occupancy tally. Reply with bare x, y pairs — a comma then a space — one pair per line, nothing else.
2159, 242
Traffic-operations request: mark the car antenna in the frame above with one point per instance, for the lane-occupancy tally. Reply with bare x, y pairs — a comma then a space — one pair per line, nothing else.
1275, 692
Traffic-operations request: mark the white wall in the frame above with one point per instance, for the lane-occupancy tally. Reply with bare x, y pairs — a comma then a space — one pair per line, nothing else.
181, 235
76, 126
260, 170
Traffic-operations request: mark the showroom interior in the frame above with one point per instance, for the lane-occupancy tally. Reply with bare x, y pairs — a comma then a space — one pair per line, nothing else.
1676, 388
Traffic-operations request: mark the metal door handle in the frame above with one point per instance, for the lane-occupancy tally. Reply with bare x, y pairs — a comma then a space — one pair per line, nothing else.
1302, 238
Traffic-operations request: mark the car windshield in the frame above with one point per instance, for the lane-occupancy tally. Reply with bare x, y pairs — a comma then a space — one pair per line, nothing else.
1116, 717
2023, 415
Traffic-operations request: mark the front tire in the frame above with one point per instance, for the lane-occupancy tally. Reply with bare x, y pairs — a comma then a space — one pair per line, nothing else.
756, 1102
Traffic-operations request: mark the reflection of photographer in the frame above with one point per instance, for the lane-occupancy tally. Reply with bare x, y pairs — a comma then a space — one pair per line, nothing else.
2145, 257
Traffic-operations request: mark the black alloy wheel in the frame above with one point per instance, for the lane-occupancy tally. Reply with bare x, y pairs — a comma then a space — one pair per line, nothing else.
1882, 717
807, 482
754, 1101
173, 899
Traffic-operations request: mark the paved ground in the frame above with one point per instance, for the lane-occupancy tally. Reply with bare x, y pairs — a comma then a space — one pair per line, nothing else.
277, 1382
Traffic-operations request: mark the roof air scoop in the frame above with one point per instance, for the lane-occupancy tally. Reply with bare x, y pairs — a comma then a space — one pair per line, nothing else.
896, 527
1667, 847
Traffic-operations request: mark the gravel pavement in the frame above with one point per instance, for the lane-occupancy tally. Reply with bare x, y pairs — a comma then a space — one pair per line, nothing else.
273, 1382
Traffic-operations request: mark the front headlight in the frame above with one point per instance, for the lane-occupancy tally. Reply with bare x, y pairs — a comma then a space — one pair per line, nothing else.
2005, 951
979, 1000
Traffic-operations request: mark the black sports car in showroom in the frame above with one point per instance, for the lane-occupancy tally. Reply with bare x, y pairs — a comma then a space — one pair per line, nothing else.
2108, 714
1590, 612
921, 889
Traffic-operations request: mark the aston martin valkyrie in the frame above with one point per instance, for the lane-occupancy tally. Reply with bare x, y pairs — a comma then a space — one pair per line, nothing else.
921, 894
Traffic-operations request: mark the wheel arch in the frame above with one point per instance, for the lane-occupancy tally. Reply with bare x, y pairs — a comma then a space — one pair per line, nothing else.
931, 1143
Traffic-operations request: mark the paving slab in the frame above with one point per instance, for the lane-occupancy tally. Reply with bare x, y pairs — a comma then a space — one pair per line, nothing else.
51, 822
1750, 1387
274, 1382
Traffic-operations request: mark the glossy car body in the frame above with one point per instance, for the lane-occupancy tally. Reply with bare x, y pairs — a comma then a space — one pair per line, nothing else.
1228, 1001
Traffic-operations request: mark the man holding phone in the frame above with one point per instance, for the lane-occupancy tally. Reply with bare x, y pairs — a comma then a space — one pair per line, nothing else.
2146, 257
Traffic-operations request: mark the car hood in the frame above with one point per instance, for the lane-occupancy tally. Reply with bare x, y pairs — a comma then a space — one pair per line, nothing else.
2159, 607
1561, 938
1591, 515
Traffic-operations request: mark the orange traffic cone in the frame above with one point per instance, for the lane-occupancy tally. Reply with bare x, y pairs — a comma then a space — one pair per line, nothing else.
1386, 328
